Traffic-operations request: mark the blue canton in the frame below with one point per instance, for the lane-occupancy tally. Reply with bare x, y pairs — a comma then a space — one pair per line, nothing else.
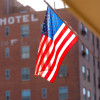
51, 23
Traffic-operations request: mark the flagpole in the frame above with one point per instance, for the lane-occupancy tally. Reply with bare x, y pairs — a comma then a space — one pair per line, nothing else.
73, 31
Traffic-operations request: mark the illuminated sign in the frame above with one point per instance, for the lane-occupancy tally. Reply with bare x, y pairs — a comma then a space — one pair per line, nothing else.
17, 19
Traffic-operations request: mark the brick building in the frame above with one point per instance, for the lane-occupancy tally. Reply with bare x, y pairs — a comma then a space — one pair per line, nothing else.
20, 29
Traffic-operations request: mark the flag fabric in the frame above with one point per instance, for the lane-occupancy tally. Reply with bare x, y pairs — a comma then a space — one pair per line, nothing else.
56, 40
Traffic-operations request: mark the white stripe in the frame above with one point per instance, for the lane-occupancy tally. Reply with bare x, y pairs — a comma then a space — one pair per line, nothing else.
62, 38
42, 50
45, 58
51, 48
40, 69
49, 51
58, 44
55, 36
59, 56
44, 47
59, 30
56, 47
39, 50
41, 54
41, 43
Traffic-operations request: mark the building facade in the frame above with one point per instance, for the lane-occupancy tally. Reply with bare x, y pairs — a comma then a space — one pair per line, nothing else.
20, 29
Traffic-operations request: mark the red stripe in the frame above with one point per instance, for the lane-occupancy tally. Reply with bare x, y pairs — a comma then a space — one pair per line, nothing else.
48, 44
40, 52
57, 53
61, 34
47, 63
45, 38
46, 53
51, 55
38, 55
62, 57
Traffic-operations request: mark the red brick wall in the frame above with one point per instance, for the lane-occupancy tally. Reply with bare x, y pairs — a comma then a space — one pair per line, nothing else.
73, 60
15, 63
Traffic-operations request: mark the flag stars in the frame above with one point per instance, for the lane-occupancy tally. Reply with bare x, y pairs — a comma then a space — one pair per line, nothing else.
51, 23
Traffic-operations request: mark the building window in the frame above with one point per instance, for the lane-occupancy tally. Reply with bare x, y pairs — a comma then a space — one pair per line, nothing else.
83, 50
97, 43
88, 75
93, 60
83, 32
94, 81
62, 71
82, 27
92, 39
87, 54
86, 30
82, 47
7, 52
84, 93
25, 30
84, 72
99, 82
26, 95
7, 6
7, 31
44, 93
94, 97
89, 94
63, 93
25, 52
25, 74
7, 74
7, 95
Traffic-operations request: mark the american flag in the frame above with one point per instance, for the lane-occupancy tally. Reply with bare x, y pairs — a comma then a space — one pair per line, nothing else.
56, 40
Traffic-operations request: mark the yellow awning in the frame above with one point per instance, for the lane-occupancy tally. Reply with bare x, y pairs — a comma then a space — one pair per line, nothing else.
88, 11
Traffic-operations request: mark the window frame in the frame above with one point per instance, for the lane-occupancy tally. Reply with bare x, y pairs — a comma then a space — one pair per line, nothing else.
92, 39
7, 31
63, 93
7, 93
84, 93
84, 71
25, 74
28, 94
25, 53
7, 52
88, 75
87, 32
25, 30
88, 94
7, 76
87, 53
62, 70
44, 93
97, 42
